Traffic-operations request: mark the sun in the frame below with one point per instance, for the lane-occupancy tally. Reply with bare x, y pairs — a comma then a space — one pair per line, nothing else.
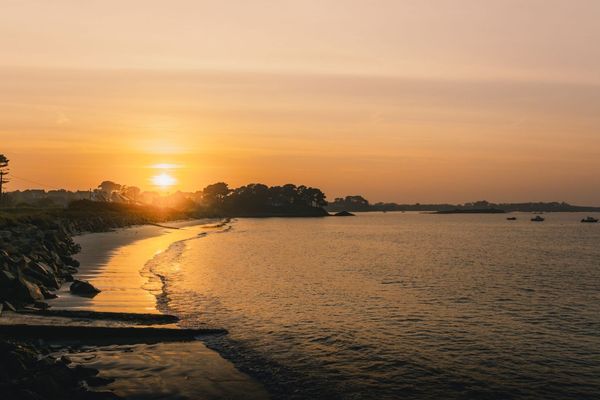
163, 180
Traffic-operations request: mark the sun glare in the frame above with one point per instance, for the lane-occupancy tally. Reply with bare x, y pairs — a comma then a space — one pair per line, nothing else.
163, 180
165, 166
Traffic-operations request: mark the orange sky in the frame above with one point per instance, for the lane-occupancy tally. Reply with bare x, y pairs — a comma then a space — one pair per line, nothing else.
407, 101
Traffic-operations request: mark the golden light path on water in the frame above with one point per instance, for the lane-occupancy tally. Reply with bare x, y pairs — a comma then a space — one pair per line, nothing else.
328, 306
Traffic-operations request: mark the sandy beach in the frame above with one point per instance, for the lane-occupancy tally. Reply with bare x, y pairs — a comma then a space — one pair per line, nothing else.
114, 262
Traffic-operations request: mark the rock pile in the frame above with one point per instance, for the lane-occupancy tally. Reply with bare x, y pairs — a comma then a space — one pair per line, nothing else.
36, 257
34, 261
30, 372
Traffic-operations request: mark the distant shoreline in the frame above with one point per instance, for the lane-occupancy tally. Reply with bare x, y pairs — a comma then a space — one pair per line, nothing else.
477, 211
465, 209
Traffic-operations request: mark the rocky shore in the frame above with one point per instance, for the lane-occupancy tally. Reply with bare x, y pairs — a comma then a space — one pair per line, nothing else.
36, 248
34, 261
36, 258
33, 372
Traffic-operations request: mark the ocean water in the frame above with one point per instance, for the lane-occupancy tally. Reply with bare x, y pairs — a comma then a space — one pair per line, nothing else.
397, 305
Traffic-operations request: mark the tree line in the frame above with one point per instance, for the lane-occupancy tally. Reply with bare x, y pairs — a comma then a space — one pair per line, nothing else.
257, 198
359, 203
218, 199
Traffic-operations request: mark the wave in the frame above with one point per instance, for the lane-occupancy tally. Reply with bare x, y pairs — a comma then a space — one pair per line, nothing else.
281, 381
165, 265
221, 224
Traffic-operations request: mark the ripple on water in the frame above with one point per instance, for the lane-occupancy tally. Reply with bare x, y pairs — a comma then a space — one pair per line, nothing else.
399, 305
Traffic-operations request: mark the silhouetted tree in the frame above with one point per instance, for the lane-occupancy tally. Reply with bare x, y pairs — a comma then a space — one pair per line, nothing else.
3, 173
131, 192
107, 188
311, 196
289, 194
260, 199
350, 203
252, 197
213, 195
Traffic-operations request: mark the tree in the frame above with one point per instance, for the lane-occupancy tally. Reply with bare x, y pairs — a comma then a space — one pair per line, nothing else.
252, 197
289, 193
317, 197
108, 188
3, 172
132, 193
351, 203
310, 196
215, 194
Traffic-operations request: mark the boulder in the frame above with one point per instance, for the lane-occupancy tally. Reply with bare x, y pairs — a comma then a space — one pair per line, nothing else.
16, 363
42, 273
83, 288
82, 372
40, 305
28, 292
45, 385
70, 270
47, 294
21, 261
63, 374
7, 279
70, 261
96, 381
66, 360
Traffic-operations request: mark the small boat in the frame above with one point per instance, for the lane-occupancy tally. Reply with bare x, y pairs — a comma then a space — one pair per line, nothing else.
538, 219
590, 220
511, 218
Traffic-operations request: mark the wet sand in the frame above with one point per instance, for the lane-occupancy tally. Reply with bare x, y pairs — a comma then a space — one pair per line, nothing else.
114, 262
169, 371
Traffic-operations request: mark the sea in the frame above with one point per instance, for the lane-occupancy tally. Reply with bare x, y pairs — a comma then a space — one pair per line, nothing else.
397, 305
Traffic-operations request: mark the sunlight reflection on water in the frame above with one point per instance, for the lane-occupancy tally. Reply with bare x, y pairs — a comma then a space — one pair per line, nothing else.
400, 305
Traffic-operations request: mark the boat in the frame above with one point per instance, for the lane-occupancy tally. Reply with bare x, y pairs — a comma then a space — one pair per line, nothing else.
511, 218
590, 220
538, 219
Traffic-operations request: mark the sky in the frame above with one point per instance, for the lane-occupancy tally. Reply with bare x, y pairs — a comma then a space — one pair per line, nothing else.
405, 101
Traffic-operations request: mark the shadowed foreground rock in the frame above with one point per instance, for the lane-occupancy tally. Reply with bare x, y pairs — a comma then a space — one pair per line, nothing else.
29, 372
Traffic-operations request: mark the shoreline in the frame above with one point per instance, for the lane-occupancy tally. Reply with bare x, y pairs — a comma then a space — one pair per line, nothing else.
115, 262
117, 257
98, 249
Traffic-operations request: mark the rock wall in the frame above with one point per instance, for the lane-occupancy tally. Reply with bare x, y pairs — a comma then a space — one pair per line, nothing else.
36, 258
34, 261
